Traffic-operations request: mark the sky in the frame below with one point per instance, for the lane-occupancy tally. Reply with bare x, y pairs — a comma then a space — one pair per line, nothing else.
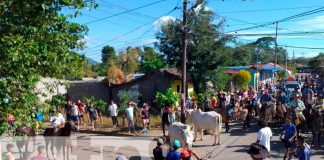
137, 28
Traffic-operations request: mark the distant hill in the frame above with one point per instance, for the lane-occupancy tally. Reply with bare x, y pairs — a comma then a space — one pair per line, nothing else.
91, 61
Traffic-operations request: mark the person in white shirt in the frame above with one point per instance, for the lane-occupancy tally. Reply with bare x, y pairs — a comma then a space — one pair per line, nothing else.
75, 115
263, 138
57, 119
113, 109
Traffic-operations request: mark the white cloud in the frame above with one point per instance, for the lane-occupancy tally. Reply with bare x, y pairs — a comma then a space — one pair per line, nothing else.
199, 7
161, 21
312, 24
306, 54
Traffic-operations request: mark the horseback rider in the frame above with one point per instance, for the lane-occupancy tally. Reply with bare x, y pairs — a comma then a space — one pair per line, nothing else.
295, 92
265, 101
252, 98
297, 106
283, 99
57, 119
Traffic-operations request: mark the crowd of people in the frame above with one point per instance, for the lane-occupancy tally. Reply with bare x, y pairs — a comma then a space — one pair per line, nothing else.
299, 111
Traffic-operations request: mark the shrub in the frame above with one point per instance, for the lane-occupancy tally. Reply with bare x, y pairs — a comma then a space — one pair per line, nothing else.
242, 78
168, 98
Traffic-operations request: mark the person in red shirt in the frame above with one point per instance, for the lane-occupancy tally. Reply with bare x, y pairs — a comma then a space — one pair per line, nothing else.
82, 111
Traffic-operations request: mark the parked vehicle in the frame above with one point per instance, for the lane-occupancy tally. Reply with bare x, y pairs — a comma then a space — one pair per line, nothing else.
291, 85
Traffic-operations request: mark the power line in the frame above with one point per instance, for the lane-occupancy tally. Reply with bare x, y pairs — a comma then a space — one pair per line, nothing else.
289, 46
237, 20
265, 10
133, 30
302, 47
321, 9
282, 34
127, 11
123, 16
111, 22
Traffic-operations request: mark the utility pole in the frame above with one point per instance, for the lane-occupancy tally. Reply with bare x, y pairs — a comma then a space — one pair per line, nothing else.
286, 59
184, 62
293, 58
276, 51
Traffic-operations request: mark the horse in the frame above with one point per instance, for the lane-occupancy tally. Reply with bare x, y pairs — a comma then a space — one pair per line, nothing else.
24, 134
239, 112
280, 113
268, 111
60, 138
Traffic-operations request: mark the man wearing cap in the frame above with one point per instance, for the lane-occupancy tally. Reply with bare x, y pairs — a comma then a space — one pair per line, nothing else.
130, 117
158, 150
186, 153
290, 133
298, 106
295, 92
174, 154
284, 100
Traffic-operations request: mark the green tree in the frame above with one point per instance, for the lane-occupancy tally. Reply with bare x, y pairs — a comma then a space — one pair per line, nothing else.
107, 53
128, 60
150, 60
167, 98
282, 74
267, 46
99, 69
317, 62
220, 79
242, 55
205, 46
36, 40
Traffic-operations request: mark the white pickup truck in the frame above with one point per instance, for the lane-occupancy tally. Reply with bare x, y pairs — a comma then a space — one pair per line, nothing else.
291, 85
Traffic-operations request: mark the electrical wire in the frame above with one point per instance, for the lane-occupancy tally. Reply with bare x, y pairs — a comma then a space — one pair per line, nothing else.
321, 9
133, 30
279, 34
265, 10
127, 11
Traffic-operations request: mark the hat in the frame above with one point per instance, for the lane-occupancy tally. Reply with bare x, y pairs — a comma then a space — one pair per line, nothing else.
289, 117
185, 153
158, 140
297, 95
176, 143
232, 93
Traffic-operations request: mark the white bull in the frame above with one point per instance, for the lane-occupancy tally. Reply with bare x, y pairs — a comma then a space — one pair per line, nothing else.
181, 132
210, 121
